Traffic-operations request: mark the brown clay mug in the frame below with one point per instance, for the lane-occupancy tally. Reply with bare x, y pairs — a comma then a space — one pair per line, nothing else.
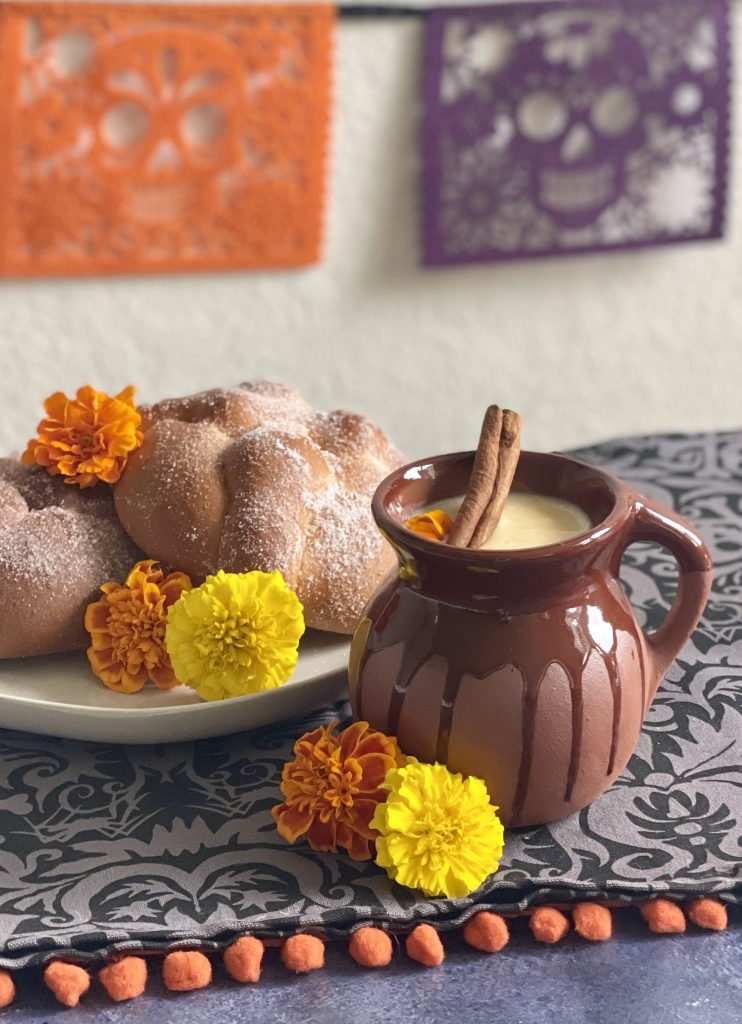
526, 668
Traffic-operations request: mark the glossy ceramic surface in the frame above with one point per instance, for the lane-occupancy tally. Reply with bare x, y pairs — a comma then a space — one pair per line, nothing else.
526, 668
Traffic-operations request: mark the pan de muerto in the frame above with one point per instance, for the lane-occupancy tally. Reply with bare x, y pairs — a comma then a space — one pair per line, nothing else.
58, 544
253, 478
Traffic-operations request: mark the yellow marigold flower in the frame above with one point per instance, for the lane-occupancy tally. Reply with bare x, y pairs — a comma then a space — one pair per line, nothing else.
333, 787
88, 438
439, 831
127, 629
237, 633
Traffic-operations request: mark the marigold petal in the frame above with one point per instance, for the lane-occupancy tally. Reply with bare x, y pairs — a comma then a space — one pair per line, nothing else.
321, 836
96, 615
291, 821
83, 481
433, 525
127, 396
86, 397
384, 859
375, 768
352, 736
378, 743
28, 458
107, 470
116, 679
163, 677
101, 641
363, 814
310, 740
174, 586
55, 406
103, 661
133, 683
349, 839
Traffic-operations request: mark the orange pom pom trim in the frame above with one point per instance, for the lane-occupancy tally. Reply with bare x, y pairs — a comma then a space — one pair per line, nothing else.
663, 917
68, 982
124, 979
243, 959
548, 925
593, 921
7, 989
186, 971
424, 945
487, 931
707, 913
371, 947
303, 953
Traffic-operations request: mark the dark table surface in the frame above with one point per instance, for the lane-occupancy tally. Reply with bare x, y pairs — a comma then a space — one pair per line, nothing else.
637, 978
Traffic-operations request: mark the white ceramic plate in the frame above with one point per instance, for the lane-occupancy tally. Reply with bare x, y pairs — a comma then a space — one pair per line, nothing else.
59, 696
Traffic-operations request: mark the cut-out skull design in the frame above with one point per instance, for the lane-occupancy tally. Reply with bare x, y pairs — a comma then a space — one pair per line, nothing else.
140, 137
167, 128
565, 127
577, 126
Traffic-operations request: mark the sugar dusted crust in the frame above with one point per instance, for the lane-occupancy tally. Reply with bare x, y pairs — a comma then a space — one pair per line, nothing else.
253, 478
57, 545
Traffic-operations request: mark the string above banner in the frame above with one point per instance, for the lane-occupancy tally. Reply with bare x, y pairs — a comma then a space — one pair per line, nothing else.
381, 11
355, 10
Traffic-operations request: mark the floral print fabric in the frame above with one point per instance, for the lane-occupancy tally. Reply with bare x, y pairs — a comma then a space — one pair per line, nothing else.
107, 847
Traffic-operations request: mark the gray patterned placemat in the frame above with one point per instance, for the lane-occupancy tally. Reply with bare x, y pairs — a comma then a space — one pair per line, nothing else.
147, 847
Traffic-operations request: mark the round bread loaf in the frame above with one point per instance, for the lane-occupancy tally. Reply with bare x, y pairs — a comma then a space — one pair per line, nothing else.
58, 544
253, 478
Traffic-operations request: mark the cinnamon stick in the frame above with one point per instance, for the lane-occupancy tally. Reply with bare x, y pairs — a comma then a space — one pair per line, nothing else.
482, 479
509, 453
491, 477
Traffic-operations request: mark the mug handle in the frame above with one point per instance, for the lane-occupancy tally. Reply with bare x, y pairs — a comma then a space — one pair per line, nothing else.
654, 522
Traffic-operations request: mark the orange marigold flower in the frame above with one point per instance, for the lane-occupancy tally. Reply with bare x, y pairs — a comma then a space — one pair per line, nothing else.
127, 629
434, 525
333, 787
88, 438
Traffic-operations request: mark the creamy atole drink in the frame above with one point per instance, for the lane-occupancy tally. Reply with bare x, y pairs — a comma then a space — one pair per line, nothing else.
530, 521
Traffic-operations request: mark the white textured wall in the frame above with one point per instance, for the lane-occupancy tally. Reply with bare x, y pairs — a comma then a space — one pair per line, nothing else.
585, 347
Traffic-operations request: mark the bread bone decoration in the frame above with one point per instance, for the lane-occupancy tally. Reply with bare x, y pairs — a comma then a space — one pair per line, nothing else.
57, 546
253, 478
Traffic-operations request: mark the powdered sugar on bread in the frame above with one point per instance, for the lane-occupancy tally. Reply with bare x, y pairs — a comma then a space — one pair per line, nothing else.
57, 546
253, 478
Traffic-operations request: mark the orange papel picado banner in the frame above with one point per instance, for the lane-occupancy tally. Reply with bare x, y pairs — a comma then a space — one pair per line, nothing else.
141, 138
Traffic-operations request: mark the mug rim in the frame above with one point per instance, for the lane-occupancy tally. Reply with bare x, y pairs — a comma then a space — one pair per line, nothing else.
609, 526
